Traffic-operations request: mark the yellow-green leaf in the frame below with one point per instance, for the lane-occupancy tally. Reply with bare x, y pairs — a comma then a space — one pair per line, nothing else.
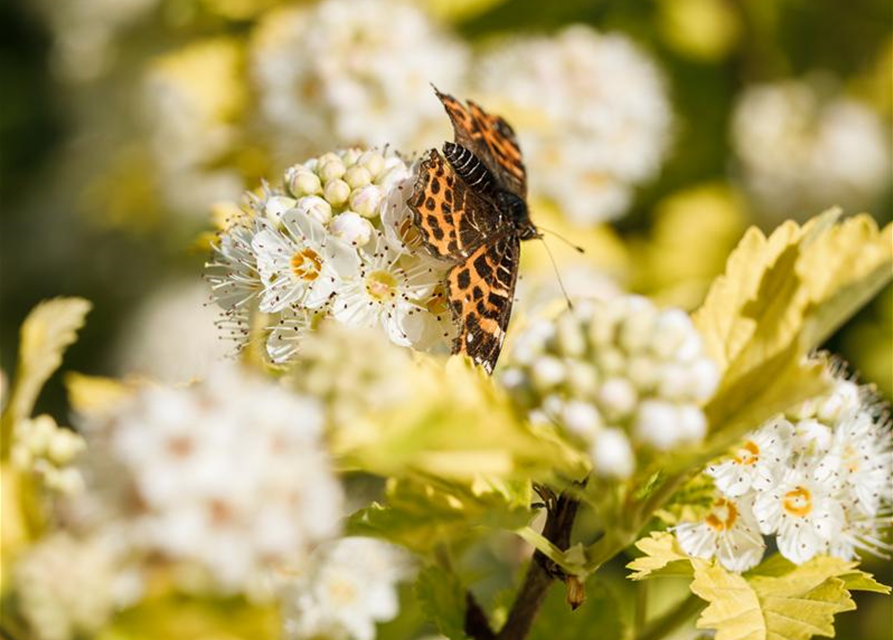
662, 557
777, 601
47, 331
94, 394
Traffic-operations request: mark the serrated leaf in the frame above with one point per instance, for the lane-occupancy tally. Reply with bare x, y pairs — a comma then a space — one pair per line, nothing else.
863, 581
776, 601
442, 600
781, 296
47, 332
663, 557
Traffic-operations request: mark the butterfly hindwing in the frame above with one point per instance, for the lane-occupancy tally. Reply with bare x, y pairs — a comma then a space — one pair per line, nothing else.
491, 139
481, 290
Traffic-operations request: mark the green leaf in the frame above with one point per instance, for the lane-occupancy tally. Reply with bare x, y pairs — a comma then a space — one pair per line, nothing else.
45, 335
663, 557
779, 298
776, 601
600, 616
572, 560
442, 599
461, 427
422, 516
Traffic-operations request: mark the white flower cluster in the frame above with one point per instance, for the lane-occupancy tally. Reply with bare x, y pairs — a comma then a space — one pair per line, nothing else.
193, 99
817, 479
591, 112
42, 446
68, 588
356, 72
614, 372
335, 243
228, 475
350, 586
800, 150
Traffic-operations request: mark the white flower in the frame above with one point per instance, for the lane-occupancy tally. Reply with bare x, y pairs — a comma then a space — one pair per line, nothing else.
288, 334
800, 150
387, 293
228, 474
598, 115
758, 462
803, 514
350, 587
729, 533
353, 71
352, 228
301, 263
69, 588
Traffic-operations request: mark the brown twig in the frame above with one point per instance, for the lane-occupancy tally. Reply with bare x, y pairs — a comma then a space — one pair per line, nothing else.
542, 572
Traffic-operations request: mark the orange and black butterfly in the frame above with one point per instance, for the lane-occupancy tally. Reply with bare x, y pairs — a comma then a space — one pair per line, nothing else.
469, 207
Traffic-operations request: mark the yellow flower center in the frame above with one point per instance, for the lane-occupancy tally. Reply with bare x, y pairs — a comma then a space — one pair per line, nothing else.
381, 285
306, 264
343, 592
748, 454
798, 502
723, 516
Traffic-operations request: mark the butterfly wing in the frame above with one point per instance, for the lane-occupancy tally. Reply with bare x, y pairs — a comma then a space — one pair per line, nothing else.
491, 139
481, 291
452, 218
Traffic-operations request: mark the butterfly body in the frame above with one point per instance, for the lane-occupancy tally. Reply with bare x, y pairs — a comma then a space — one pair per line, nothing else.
470, 209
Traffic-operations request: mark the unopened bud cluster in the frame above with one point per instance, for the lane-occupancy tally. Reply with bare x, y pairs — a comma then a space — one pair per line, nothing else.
42, 446
615, 375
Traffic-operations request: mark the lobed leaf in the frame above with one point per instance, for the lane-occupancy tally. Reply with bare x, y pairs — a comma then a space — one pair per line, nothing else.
47, 332
778, 600
663, 557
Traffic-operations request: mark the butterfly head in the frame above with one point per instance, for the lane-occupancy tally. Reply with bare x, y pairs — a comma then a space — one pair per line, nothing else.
517, 208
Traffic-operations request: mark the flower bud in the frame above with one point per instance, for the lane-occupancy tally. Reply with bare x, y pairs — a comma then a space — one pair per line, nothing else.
316, 208
357, 177
64, 446
366, 201
670, 330
617, 398
657, 424
373, 161
352, 228
581, 418
337, 192
547, 372
275, 206
612, 455
302, 182
331, 170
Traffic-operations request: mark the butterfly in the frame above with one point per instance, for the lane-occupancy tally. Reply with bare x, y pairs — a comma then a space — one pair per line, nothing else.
469, 208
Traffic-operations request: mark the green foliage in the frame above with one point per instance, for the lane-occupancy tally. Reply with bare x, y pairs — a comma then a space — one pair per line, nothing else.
47, 332
663, 557
442, 598
600, 616
778, 599
422, 516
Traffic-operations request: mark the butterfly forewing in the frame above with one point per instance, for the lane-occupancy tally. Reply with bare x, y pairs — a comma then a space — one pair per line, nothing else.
491, 139
453, 219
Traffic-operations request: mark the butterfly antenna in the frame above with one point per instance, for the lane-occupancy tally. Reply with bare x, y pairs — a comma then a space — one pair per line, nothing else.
573, 246
570, 305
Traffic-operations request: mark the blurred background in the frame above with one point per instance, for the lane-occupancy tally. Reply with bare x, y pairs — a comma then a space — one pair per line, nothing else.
655, 131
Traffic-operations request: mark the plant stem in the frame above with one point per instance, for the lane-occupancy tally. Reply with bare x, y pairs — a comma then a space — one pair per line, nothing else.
671, 620
641, 614
542, 572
